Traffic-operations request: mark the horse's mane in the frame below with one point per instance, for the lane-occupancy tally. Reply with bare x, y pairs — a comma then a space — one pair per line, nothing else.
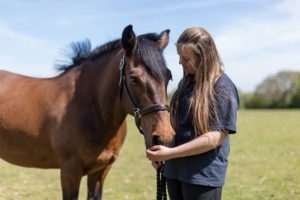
82, 51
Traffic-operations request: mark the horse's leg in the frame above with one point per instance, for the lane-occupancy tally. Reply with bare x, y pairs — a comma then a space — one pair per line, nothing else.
95, 183
95, 180
105, 161
71, 173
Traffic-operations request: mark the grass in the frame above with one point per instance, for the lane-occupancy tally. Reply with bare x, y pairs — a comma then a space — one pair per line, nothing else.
265, 156
264, 164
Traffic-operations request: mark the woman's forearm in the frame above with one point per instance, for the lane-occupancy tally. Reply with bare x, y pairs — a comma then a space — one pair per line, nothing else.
201, 144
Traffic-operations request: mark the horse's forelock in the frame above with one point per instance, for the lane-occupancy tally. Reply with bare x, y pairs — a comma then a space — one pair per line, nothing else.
152, 57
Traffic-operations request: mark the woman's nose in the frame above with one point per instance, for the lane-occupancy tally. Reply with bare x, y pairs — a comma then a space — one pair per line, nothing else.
180, 60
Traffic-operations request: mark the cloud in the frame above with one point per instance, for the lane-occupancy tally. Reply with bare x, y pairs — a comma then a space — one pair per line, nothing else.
23, 53
290, 7
8, 33
164, 8
256, 46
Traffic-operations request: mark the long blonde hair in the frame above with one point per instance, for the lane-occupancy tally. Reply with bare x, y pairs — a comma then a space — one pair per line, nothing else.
202, 102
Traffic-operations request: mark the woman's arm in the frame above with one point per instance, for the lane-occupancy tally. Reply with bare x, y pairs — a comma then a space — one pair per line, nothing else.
201, 144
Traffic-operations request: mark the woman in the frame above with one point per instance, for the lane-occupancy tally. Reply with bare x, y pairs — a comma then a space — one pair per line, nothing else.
203, 113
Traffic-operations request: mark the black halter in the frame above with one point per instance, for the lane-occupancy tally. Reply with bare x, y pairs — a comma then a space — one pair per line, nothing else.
137, 112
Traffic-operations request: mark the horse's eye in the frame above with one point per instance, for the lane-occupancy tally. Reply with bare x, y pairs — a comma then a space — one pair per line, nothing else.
134, 80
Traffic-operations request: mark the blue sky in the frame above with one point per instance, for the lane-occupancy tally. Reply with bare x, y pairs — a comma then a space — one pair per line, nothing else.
255, 38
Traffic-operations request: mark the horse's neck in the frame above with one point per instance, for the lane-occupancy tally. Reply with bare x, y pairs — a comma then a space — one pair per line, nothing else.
98, 89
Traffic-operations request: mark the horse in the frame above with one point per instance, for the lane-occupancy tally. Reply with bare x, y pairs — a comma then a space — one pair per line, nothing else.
75, 121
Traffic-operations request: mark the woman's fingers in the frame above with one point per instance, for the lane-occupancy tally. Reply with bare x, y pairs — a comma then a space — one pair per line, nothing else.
153, 153
155, 148
156, 164
158, 153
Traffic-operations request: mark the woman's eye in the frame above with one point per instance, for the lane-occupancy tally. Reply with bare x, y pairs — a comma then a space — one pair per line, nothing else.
186, 59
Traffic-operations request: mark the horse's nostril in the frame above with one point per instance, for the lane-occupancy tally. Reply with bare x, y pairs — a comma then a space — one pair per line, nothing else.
156, 140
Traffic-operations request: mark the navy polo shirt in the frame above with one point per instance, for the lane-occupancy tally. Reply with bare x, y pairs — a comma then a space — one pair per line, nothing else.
209, 168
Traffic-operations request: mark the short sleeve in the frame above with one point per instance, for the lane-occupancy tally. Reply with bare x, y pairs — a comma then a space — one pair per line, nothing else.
227, 105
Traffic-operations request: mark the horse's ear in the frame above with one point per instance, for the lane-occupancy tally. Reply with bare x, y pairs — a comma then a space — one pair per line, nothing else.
129, 40
164, 39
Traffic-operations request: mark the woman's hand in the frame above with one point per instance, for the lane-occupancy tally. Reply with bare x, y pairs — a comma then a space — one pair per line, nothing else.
159, 153
156, 164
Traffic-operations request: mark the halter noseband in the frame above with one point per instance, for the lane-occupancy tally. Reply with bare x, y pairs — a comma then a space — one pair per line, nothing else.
137, 112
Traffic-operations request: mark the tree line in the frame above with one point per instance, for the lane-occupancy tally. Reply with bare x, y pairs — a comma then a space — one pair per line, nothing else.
277, 91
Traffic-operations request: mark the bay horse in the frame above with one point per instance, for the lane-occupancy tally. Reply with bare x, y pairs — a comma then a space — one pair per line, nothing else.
76, 121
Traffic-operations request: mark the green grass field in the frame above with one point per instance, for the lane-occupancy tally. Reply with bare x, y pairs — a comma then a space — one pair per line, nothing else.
264, 164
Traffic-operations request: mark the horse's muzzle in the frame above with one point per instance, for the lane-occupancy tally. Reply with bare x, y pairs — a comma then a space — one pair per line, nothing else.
156, 140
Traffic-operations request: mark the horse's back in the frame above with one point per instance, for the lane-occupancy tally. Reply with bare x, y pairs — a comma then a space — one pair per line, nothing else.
6, 76
12, 83
23, 120
21, 96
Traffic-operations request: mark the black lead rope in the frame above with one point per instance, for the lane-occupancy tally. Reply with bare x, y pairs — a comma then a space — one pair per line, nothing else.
161, 192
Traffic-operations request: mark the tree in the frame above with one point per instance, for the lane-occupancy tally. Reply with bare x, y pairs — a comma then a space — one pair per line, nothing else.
279, 91
295, 101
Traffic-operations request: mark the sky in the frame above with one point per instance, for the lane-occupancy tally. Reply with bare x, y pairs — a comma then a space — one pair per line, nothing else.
255, 38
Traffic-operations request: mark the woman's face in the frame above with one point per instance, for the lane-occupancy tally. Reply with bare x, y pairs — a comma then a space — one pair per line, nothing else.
188, 60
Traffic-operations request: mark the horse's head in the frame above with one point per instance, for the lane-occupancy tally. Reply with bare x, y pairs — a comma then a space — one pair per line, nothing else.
143, 80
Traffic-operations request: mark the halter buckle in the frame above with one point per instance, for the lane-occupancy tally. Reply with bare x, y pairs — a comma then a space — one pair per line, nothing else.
137, 113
